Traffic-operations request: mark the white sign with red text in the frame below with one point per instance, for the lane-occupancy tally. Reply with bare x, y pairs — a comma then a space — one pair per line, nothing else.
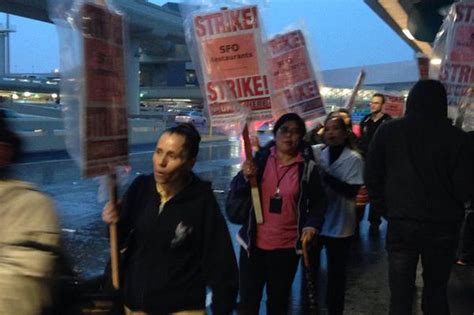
295, 88
457, 70
104, 127
231, 53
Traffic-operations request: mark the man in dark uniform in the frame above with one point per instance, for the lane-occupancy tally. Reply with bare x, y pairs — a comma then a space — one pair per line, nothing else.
368, 127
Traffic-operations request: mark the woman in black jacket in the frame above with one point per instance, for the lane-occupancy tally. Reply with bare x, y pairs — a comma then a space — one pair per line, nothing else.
293, 204
178, 239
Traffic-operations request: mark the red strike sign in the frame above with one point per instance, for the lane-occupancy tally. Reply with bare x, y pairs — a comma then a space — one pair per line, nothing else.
231, 53
238, 88
105, 123
457, 72
226, 21
292, 77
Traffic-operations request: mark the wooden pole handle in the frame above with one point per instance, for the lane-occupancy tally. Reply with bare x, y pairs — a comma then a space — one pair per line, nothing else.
256, 201
114, 253
351, 101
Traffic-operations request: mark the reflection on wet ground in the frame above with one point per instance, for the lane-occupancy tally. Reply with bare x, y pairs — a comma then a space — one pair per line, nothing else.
85, 236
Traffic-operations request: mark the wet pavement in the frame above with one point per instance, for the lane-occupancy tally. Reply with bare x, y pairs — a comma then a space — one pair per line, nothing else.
85, 236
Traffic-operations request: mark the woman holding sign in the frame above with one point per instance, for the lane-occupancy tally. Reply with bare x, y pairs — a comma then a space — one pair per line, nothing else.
178, 242
293, 204
342, 173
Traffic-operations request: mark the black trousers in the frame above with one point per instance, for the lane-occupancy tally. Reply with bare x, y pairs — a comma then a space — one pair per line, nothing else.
466, 240
375, 218
337, 253
435, 244
276, 269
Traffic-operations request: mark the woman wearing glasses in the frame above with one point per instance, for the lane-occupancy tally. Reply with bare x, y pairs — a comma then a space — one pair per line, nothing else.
293, 204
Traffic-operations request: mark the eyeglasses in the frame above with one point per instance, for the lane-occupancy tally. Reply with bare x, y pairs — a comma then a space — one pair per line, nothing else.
286, 130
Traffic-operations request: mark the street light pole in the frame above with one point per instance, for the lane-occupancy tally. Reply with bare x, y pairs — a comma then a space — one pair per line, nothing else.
7, 45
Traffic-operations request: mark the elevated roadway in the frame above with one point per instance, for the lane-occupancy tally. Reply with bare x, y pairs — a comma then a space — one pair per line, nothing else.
159, 29
156, 35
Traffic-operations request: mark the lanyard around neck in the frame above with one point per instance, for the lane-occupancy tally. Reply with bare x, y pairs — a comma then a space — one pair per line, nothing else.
279, 179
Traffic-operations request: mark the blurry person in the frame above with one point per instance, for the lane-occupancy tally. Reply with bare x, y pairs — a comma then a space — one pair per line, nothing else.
346, 116
293, 204
368, 127
362, 197
342, 173
419, 173
466, 240
315, 136
29, 238
178, 241
371, 122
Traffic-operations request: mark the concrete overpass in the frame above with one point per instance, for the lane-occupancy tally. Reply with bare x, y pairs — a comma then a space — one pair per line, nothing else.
38, 85
155, 36
158, 28
415, 21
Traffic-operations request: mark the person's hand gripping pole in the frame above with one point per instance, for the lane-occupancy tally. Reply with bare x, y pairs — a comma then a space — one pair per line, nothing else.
257, 205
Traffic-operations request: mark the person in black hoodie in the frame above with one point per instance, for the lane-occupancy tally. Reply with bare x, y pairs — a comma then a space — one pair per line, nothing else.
178, 241
418, 173
466, 239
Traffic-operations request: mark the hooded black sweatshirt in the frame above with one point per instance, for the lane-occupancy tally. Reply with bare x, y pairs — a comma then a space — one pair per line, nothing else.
419, 167
173, 255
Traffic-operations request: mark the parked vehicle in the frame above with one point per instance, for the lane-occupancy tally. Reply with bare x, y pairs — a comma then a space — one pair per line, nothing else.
191, 117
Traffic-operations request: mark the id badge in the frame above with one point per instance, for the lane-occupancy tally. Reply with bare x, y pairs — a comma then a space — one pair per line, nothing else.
275, 204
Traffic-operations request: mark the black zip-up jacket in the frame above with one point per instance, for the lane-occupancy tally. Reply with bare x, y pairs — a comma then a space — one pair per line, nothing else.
419, 166
311, 202
368, 127
172, 256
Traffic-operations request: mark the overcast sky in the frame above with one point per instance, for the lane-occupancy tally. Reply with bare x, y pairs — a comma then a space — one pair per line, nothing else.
343, 33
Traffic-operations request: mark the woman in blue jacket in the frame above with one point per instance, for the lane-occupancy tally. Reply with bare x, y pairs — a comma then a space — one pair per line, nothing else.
293, 204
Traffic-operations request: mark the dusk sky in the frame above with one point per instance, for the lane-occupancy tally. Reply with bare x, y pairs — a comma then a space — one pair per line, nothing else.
343, 33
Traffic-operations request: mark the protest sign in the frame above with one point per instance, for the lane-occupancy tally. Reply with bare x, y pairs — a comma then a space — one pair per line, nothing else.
91, 38
104, 130
104, 121
230, 51
295, 87
457, 55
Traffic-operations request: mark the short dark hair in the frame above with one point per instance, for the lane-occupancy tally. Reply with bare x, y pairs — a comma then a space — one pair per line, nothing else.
191, 138
343, 110
379, 95
7, 136
290, 117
